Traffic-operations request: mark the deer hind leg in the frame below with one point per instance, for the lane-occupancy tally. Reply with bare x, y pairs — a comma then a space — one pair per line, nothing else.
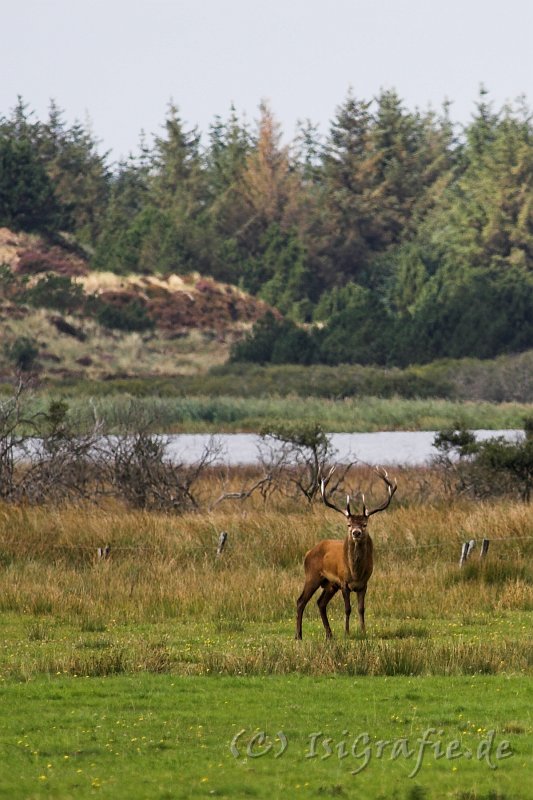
361, 608
322, 603
308, 591
347, 608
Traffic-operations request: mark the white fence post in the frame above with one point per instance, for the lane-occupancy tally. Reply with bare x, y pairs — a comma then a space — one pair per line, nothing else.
466, 551
222, 539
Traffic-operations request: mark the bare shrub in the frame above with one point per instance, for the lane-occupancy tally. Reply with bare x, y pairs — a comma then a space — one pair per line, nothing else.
141, 471
296, 455
50, 456
65, 463
45, 456
264, 486
14, 419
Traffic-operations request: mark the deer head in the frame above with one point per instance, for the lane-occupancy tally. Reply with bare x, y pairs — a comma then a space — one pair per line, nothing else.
357, 523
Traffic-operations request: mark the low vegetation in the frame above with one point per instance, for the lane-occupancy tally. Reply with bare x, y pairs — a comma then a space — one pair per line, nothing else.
63, 322
169, 412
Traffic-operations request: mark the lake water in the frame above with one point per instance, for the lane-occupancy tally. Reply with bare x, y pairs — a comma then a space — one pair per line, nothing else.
384, 447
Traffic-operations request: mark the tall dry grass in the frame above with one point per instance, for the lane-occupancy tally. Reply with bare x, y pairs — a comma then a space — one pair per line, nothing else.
163, 572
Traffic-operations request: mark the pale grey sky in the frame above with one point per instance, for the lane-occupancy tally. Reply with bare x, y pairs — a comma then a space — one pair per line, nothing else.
121, 61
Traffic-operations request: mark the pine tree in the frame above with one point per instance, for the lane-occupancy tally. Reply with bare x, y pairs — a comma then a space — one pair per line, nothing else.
21, 125
179, 199
119, 245
268, 184
345, 214
27, 197
177, 166
79, 173
227, 212
229, 146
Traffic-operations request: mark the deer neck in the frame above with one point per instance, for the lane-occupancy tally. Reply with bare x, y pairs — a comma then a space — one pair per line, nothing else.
356, 557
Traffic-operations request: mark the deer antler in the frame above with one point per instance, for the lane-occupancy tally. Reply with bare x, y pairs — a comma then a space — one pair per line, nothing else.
323, 483
391, 488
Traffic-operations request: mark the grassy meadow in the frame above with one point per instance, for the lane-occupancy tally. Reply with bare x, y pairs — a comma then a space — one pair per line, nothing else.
130, 677
166, 736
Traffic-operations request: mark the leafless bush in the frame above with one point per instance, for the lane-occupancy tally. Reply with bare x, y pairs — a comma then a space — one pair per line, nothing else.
296, 456
264, 485
49, 456
44, 455
65, 463
141, 471
15, 426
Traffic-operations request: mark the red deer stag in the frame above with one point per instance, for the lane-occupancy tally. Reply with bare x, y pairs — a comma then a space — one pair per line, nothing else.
347, 565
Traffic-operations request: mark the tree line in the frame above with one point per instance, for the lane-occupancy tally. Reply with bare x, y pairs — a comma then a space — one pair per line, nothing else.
398, 237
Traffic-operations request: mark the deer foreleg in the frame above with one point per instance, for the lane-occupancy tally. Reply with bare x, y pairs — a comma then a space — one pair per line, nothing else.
361, 608
307, 593
347, 608
322, 603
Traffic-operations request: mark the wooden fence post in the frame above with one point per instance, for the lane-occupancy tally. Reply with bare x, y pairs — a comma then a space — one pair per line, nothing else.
222, 539
484, 548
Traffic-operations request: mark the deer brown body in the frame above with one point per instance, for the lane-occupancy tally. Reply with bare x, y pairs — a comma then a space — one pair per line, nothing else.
334, 564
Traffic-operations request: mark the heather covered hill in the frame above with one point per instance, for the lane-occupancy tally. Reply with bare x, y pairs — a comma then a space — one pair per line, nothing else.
73, 322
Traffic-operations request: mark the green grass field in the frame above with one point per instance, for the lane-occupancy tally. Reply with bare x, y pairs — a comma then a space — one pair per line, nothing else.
171, 737
131, 677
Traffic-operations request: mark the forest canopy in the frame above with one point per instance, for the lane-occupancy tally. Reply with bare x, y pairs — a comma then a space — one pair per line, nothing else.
397, 237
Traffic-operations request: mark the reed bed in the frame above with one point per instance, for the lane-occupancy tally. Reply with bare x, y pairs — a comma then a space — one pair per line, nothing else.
225, 413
